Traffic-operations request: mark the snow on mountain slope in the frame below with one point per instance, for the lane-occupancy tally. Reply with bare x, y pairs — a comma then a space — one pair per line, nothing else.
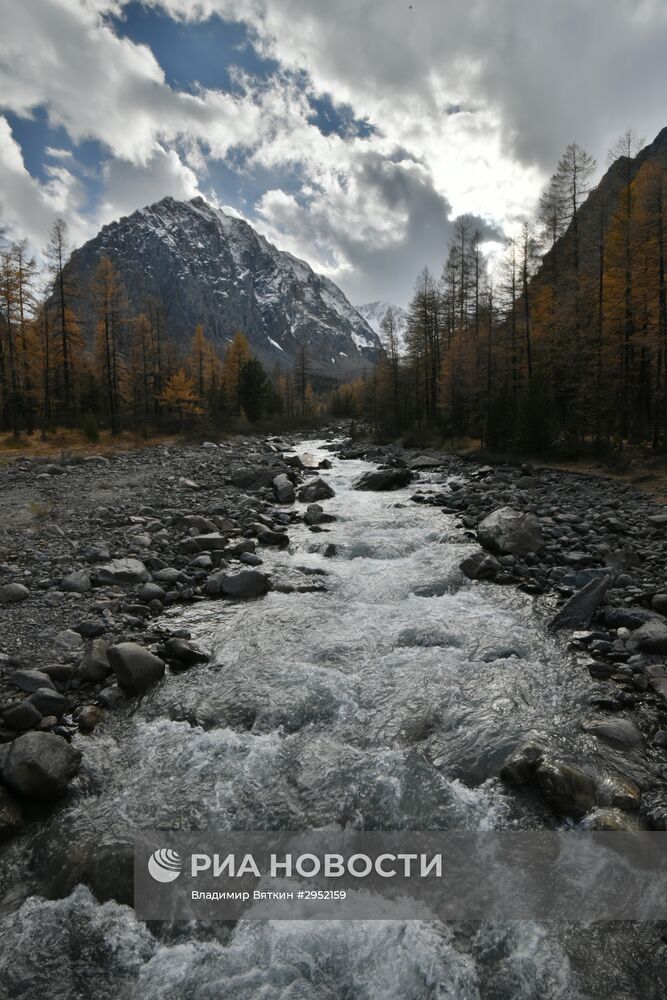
205, 266
374, 313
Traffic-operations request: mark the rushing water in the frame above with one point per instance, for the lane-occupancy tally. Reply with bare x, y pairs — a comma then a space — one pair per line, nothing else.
384, 701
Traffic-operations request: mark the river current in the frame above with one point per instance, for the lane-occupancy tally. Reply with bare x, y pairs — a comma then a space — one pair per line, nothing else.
384, 698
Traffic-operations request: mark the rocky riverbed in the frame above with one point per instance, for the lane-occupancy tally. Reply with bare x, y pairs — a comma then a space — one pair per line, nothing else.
94, 550
216, 637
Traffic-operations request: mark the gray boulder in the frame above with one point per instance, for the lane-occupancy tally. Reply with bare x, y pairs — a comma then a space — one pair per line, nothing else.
95, 664
283, 489
49, 702
316, 515
316, 489
567, 789
151, 592
124, 572
40, 765
650, 638
510, 532
380, 480
185, 652
577, 613
22, 716
620, 731
247, 583
135, 667
480, 566
268, 537
13, 593
31, 680
77, 583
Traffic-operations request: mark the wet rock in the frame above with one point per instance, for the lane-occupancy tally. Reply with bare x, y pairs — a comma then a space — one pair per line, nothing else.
620, 731
520, 767
567, 789
250, 559
95, 664
577, 613
527, 483
268, 537
610, 820
22, 716
13, 593
509, 531
49, 702
134, 666
330, 551
40, 765
89, 718
660, 739
659, 603
246, 584
283, 489
381, 480
123, 572
184, 652
426, 462
316, 489
11, 814
480, 566
77, 583
316, 515
202, 525
112, 697
650, 637
620, 793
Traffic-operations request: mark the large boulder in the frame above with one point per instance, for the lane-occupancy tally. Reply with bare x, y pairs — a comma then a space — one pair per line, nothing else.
577, 613
136, 668
184, 652
650, 637
13, 593
510, 532
40, 765
316, 490
383, 479
95, 664
620, 731
283, 489
266, 536
480, 566
567, 789
247, 583
78, 582
124, 572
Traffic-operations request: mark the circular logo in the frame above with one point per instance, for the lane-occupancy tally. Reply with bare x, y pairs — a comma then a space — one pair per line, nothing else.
165, 865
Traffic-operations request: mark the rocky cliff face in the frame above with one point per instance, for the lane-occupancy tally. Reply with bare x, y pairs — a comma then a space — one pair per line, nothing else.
207, 267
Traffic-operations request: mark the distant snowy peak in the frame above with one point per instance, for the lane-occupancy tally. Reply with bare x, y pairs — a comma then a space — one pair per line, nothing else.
207, 266
375, 312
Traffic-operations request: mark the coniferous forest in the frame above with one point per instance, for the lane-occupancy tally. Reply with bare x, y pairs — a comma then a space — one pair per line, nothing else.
559, 340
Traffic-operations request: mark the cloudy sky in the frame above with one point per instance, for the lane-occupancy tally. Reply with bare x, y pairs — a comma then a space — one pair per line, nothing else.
350, 132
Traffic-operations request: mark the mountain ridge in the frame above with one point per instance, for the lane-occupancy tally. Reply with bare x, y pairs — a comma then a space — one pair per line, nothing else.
206, 266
